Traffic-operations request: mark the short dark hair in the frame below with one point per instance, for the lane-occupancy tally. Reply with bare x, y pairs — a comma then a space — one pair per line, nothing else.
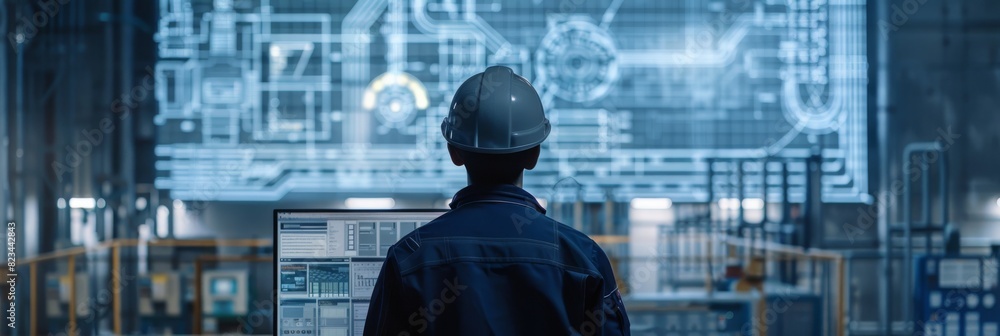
496, 168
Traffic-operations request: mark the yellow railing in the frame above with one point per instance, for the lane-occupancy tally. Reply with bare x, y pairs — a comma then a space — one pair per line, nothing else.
784, 252
777, 251
774, 251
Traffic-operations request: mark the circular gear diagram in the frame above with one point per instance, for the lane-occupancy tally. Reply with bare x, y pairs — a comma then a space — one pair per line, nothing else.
576, 60
395, 98
395, 106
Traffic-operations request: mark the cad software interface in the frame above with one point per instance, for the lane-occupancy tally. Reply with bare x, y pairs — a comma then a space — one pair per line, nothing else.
327, 264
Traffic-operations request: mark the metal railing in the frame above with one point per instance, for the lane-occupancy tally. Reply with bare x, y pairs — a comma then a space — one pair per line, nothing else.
115, 246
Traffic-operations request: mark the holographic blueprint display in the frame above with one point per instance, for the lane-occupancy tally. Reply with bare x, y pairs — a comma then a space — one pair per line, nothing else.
259, 98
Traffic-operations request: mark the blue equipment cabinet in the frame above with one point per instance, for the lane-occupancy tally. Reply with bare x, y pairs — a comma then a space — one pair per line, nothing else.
793, 312
956, 296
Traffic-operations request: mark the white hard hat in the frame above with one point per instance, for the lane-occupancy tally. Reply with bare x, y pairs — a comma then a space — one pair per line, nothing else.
496, 112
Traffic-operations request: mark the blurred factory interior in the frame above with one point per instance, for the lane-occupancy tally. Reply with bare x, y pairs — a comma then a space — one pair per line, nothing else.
751, 167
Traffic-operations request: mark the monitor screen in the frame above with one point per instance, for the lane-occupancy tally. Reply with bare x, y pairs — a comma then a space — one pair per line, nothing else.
327, 263
224, 286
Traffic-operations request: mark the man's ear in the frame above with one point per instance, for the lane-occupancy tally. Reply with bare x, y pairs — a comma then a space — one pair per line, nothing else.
531, 159
456, 157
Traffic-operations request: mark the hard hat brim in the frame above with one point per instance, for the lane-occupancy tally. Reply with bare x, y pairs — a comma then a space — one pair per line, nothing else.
547, 128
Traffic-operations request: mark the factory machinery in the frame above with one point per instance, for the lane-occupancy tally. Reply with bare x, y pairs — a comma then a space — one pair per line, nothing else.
156, 287
747, 266
712, 255
728, 268
734, 266
953, 288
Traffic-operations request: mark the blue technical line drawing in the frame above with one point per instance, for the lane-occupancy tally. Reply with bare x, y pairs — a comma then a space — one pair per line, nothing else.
261, 98
576, 61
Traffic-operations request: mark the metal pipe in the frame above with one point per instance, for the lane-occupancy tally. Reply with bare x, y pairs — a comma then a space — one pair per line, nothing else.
710, 187
787, 269
907, 228
107, 164
578, 213
925, 191
763, 190
609, 213
813, 205
908, 151
126, 146
880, 72
707, 216
116, 286
710, 279
925, 200
676, 255
739, 196
814, 198
786, 204
17, 201
943, 184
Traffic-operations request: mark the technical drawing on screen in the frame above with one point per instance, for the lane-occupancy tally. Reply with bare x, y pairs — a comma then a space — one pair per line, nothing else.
327, 264
313, 96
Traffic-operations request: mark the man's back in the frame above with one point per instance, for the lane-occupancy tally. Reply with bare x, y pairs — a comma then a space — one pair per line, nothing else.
495, 265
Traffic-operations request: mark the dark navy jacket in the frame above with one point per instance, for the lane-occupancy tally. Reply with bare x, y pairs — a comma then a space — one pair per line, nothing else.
495, 265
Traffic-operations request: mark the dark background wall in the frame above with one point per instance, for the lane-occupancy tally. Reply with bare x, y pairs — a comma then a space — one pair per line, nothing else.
944, 74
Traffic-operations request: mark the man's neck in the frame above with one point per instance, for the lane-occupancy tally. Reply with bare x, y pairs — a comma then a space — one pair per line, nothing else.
517, 183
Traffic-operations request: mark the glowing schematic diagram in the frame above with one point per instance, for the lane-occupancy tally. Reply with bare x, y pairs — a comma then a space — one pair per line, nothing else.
577, 59
263, 98
395, 99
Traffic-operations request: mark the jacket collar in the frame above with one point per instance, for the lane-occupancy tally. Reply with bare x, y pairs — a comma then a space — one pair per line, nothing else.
499, 193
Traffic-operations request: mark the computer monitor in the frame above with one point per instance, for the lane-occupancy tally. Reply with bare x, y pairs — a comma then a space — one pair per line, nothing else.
327, 262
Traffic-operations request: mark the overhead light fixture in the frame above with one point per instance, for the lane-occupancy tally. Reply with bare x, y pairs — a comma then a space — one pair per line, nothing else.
748, 203
162, 221
753, 203
651, 203
61, 203
729, 203
82, 203
998, 202
370, 203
